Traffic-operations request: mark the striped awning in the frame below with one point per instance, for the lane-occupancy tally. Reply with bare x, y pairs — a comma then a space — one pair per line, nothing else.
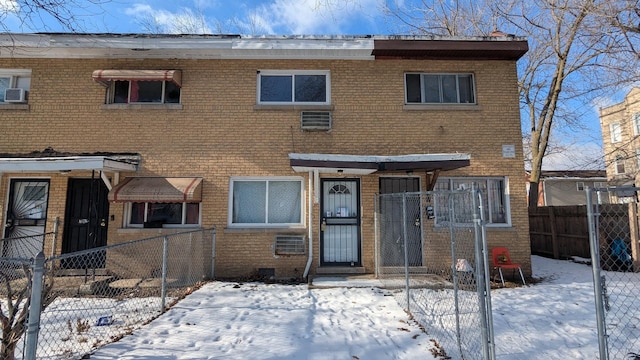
106, 76
158, 190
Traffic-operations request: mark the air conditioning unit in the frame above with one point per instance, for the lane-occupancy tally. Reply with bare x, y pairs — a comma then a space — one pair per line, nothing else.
15, 95
315, 120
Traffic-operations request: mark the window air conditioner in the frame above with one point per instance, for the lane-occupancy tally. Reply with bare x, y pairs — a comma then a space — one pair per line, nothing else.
15, 95
315, 120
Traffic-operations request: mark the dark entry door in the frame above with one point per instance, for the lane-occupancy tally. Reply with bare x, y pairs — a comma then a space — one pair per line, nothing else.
340, 224
85, 225
392, 249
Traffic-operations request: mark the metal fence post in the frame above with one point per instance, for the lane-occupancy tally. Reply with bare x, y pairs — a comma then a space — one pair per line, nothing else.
35, 308
592, 218
213, 252
406, 250
165, 256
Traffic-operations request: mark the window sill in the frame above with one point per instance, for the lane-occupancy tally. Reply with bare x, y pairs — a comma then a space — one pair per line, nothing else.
5, 106
448, 107
169, 230
268, 230
141, 107
292, 107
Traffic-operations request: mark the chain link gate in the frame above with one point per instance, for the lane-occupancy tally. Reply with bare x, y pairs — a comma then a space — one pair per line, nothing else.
614, 240
431, 251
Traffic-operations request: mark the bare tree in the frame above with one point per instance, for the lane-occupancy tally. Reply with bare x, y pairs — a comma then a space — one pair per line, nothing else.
576, 53
39, 14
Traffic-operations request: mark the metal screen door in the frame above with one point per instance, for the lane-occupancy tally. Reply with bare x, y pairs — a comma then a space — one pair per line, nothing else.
340, 222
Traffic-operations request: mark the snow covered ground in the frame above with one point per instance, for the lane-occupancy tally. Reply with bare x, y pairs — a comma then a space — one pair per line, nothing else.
553, 319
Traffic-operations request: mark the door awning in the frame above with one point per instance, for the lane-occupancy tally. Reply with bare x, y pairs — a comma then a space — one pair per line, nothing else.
67, 163
106, 76
367, 164
158, 189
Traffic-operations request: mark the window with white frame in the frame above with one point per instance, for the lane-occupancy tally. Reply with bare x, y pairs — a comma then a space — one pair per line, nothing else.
638, 158
426, 88
615, 131
636, 124
619, 164
265, 202
18, 81
283, 87
580, 185
494, 199
143, 91
147, 214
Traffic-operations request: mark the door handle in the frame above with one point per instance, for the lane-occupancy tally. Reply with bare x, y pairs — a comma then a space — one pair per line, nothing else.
103, 223
323, 225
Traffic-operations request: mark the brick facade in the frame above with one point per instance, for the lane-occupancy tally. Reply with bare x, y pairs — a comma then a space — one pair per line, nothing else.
220, 133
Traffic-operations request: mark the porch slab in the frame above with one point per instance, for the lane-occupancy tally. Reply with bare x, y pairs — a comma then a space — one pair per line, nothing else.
340, 270
347, 281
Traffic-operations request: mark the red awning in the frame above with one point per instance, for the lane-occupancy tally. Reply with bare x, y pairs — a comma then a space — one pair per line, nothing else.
106, 76
158, 190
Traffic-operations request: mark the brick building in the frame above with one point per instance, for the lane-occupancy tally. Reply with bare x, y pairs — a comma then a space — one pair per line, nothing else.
620, 129
280, 142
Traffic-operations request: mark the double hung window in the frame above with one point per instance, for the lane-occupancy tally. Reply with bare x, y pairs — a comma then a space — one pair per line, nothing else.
265, 202
427, 88
279, 87
18, 82
615, 130
459, 205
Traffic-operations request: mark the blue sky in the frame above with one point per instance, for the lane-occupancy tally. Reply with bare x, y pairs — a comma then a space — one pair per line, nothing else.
228, 16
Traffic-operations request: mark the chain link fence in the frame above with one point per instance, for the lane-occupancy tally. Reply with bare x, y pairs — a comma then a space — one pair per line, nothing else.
430, 252
94, 297
614, 237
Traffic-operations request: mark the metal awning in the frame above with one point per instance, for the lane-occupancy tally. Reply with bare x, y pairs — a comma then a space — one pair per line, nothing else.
65, 163
368, 164
106, 76
158, 189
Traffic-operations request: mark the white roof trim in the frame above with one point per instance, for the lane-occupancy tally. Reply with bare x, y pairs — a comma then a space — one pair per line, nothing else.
68, 163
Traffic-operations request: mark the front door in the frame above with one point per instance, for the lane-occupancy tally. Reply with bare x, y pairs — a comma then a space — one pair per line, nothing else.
85, 225
398, 223
340, 223
26, 218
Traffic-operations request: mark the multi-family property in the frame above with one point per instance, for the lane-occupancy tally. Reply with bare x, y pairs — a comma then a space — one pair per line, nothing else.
567, 187
620, 135
281, 143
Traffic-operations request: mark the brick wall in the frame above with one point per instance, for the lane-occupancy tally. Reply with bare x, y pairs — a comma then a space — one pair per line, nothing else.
219, 133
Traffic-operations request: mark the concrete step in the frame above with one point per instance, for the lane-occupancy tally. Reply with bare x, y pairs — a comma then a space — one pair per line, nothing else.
340, 270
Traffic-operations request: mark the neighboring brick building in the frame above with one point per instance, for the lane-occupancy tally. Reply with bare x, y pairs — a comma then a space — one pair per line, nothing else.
620, 129
274, 140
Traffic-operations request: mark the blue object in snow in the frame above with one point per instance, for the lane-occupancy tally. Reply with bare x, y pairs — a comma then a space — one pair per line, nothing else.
104, 321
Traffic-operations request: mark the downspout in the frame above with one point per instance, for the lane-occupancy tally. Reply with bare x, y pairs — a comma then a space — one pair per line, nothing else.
312, 176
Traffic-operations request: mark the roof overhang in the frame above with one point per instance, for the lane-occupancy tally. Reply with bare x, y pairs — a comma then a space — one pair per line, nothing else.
368, 164
491, 48
106, 76
65, 163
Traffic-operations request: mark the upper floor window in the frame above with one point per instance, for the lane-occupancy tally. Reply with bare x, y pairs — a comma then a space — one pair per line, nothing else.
619, 165
14, 85
281, 87
426, 88
140, 86
136, 91
636, 124
615, 131
265, 202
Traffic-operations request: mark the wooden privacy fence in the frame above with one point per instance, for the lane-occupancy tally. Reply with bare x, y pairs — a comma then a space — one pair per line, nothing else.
562, 231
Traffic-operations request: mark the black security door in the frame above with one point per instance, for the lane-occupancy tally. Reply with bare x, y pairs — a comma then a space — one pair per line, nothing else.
86, 221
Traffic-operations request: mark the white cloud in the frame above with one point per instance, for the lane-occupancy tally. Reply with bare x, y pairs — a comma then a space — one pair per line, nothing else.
315, 16
183, 21
9, 6
588, 156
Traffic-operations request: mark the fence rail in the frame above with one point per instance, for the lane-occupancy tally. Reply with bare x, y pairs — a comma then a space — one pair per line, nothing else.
94, 297
437, 270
